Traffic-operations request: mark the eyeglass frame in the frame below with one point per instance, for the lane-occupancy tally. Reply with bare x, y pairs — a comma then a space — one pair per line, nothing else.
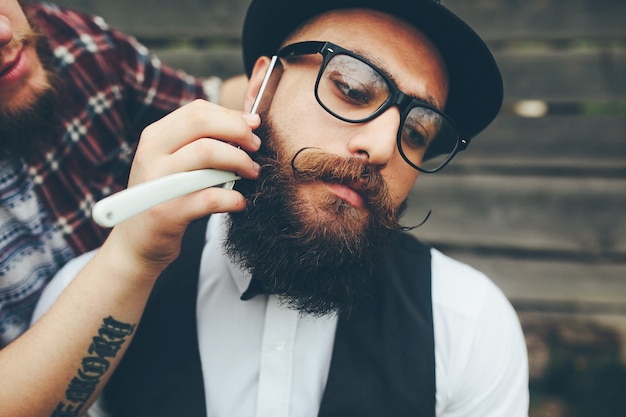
397, 97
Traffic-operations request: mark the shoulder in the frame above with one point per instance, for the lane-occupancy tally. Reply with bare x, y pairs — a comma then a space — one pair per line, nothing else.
55, 21
479, 345
462, 290
78, 39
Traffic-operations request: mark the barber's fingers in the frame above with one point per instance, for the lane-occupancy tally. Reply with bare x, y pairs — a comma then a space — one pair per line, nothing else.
200, 119
199, 204
209, 153
153, 238
199, 135
158, 229
202, 153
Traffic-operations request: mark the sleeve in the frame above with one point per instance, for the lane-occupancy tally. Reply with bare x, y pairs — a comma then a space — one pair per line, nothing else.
60, 281
481, 357
152, 88
110, 66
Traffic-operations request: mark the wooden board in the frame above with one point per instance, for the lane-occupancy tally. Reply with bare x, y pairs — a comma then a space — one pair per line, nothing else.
165, 19
598, 74
493, 19
559, 216
571, 145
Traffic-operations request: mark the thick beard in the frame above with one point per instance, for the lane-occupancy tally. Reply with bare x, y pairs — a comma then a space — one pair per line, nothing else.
26, 132
318, 257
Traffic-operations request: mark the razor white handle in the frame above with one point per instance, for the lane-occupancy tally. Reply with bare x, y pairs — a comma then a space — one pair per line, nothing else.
122, 205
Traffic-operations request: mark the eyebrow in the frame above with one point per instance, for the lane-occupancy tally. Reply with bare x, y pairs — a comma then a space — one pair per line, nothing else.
381, 66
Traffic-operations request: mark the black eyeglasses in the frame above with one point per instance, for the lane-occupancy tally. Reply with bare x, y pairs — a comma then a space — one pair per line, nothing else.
356, 91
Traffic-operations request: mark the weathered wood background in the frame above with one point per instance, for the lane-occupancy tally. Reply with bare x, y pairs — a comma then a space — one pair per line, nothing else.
538, 199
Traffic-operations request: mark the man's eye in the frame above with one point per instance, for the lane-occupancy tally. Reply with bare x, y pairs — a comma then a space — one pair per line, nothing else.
352, 94
414, 137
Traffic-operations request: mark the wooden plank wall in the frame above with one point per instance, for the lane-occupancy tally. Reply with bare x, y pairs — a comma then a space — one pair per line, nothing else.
538, 199
538, 202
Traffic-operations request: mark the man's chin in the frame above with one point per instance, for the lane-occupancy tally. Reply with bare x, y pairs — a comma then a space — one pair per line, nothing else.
318, 260
21, 101
25, 129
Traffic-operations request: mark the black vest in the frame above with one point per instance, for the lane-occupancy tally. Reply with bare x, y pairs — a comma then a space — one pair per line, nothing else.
383, 361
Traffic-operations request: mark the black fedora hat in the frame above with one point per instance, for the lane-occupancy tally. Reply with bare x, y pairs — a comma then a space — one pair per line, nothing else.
475, 95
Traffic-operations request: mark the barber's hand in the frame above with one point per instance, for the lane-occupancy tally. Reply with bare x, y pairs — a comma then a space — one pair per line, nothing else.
197, 136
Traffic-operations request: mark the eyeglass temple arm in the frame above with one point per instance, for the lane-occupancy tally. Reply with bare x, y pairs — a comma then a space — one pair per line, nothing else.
266, 79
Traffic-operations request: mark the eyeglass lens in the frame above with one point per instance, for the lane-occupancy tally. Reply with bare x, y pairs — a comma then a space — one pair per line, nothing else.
353, 90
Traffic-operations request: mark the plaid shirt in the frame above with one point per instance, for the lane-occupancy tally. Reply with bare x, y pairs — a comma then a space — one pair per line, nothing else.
116, 88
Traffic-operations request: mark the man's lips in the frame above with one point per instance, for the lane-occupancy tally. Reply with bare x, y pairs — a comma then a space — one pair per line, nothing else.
14, 68
350, 194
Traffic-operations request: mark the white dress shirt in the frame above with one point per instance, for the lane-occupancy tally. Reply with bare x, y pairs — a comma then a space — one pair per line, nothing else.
262, 359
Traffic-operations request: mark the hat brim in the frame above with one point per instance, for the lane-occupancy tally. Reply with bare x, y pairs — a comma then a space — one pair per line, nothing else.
475, 82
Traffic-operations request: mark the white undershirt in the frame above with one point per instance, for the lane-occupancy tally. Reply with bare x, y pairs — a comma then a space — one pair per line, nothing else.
261, 359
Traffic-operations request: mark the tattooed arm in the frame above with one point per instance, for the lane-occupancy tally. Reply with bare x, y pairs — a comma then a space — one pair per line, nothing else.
87, 344
59, 366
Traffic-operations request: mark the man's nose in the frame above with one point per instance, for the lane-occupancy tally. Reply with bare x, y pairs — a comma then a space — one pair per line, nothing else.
375, 141
6, 31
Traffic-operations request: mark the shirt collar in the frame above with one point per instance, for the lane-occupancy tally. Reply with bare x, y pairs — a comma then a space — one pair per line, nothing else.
247, 286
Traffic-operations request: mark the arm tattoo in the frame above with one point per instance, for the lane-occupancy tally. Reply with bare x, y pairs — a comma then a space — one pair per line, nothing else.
106, 344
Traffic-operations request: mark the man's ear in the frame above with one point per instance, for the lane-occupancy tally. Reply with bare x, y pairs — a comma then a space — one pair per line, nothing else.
256, 79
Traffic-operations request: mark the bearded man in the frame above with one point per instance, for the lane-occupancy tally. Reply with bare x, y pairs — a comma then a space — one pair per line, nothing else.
307, 298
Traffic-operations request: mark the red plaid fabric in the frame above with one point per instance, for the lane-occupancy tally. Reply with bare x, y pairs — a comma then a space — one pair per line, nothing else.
117, 88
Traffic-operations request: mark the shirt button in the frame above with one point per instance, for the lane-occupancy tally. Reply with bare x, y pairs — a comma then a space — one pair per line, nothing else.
279, 344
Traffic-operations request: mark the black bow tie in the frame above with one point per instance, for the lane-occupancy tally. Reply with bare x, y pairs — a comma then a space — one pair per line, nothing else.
254, 288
